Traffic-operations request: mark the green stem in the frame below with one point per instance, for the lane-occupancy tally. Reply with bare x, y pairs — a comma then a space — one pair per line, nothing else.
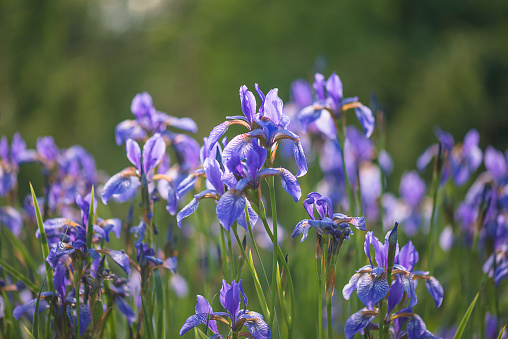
436, 179
77, 282
274, 241
329, 316
286, 268
382, 315
231, 257
249, 226
319, 266
225, 269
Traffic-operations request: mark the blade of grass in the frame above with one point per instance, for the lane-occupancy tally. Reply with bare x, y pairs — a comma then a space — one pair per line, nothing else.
18, 276
89, 232
30, 335
465, 319
21, 247
501, 333
44, 240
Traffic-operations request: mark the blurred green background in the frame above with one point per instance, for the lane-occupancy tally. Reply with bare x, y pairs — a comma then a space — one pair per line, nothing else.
71, 68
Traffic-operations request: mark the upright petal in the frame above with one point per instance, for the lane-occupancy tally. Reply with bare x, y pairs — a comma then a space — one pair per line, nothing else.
334, 89
248, 102
133, 153
153, 151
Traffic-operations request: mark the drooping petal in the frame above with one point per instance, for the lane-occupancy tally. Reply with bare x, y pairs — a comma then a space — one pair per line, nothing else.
193, 321
204, 307
257, 327
153, 151
121, 187
186, 124
358, 222
133, 153
30, 305
11, 218
435, 289
416, 328
396, 295
357, 322
366, 119
125, 309
230, 207
128, 129
85, 316
217, 132
120, 258
352, 285
372, 288
288, 180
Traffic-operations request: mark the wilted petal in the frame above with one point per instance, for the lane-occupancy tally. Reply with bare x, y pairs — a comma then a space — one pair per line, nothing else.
357, 322
358, 222
366, 119
133, 153
153, 151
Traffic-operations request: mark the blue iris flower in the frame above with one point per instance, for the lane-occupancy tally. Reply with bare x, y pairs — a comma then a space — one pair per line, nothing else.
231, 297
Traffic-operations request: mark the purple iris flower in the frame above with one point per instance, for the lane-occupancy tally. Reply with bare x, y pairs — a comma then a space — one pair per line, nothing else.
62, 300
268, 125
326, 222
123, 185
330, 104
149, 121
459, 160
231, 297
10, 158
214, 171
75, 234
370, 281
12, 219
498, 269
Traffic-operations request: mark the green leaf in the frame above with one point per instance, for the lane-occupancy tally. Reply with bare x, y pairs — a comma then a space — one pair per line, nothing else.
29, 334
44, 240
202, 335
35, 323
18, 276
465, 319
98, 311
501, 333
21, 247
147, 319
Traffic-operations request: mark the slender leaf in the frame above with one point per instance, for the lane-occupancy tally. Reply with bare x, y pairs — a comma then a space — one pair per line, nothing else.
501, 333
147, 319
21, 247
29, 334
18, 276
91, 216
44, 240
465, 319
202, 335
